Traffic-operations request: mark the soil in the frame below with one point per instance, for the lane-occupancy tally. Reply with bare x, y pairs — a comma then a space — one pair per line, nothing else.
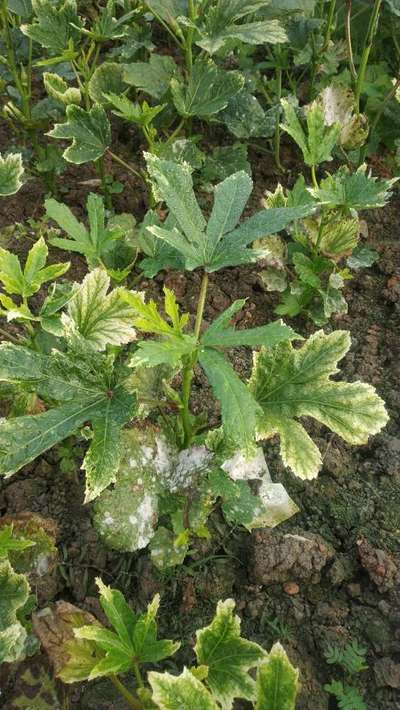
329, 575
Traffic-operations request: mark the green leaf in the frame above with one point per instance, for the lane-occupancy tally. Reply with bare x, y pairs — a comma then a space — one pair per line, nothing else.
107, 78
93, 244
239, 410
224, 161
58, 89
28, 282
221, 334
22, 8
168, 10
152, 77
165, 550
10, 543
228, 656
362, 257
14, 593
288, 383
306, 270
339, 236
53, 27
277, 682
142, 115
317, 143
97, 317
134, 636
90, 132
184, 692
11, 172
214, 247
356, 191
246, 118
207, 91
221, 23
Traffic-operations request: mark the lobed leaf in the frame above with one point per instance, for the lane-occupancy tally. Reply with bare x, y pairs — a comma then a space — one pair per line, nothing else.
277, 682
184, 692
89, 131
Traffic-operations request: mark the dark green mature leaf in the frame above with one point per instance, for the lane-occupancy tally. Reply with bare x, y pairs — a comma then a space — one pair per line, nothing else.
207, 91
168, 10
22, 8
277, 682
89, 131
239, 409
53, 27
11, 172
221, 334
228, 656
246, 118
219, 244
221, 23
152, 77
288, 383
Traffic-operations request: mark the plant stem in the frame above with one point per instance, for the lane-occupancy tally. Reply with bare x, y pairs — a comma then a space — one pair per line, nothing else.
102, 174
369, 40
9, 337
314, 177
188, 370
124, 164
176, 132
329, 27
136, 670
349, 43
132, 702
189, 37
277, 137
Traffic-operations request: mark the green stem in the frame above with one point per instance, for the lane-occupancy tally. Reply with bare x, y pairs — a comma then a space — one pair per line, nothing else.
176, 132
314, 177
277, 137
132, 702
329, 27
349, 43
189, 37
369, 40
139, 679
188, 370
100, 166
124, 164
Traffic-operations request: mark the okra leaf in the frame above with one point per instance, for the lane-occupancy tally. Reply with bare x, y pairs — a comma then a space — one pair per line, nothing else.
220, 334
227, 656
89, 131
14, 593
58, 89
168, 10
11, 172
339, 108
98, 318
184, 692
107, 78
10, 543
134, 636
54, 26
230, 199
28, 282
277, 682
318, 141
246, 118
207, 91
220, 25
356, 191
238, 407
152, 77
289, 383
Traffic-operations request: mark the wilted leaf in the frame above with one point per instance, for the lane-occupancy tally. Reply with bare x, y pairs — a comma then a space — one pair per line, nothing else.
89, 131
338, 105
14, 593
228, 656
58, 89
288, 383
362, 257
11, 172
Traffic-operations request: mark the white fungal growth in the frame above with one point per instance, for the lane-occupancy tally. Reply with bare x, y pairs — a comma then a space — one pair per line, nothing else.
240, 468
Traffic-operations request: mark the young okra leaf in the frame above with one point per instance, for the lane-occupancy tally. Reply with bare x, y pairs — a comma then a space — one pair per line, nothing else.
96, 318
185, 692
11, 172
54, 26
89, 131
28, 281
289, 383
318, 141
227, 656
152, 77
353, 191
134, 636
94, 243
207, 91
221, 23
59, 90
141, 114
10, 543
14, 593
220, 243
277, 682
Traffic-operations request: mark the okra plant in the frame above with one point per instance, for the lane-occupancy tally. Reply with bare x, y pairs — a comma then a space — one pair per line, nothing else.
221, 673
154, 469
